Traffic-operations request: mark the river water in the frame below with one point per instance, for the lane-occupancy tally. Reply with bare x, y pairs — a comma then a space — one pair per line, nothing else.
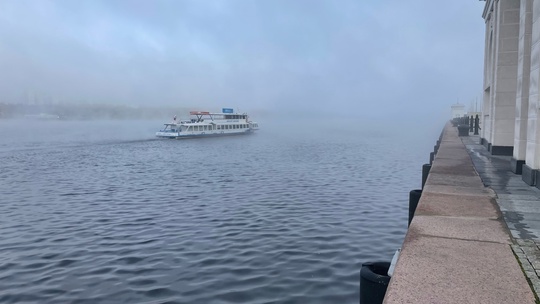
102, 212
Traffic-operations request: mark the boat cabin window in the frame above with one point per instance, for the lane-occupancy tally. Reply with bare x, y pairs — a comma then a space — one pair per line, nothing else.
235, 116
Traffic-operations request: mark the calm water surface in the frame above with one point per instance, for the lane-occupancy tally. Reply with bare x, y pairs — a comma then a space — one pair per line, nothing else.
101, 212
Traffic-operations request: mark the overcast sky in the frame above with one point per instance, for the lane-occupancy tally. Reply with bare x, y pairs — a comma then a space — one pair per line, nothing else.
410, 57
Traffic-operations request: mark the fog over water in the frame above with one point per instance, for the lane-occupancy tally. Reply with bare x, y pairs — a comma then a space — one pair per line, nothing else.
350, 97
371, 58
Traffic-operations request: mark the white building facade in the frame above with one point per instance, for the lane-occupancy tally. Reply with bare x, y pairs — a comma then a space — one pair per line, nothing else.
458, 110
511, 100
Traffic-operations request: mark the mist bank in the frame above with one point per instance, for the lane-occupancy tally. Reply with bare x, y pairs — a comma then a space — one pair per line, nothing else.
425, 121
76, 111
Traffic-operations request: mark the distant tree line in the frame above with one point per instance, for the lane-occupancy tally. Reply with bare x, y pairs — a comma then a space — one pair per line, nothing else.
89, 111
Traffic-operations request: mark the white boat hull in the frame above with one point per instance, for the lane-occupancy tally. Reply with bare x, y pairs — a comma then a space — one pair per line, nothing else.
167, 134
181, 135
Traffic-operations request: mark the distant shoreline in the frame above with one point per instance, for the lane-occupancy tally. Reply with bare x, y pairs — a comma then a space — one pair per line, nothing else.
91, 111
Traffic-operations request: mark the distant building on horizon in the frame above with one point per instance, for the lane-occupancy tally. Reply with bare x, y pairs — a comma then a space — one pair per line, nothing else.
458, 110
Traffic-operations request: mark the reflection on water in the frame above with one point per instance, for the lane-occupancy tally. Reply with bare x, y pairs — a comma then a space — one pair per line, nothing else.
104, 213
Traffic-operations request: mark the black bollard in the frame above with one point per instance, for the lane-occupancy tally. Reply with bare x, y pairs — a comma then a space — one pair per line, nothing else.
463, 130
414, 198
476, 124
471, 124
374, 281
431, 157
425, 173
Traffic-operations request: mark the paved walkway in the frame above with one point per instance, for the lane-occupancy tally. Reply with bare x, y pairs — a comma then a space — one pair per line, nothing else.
518, 202
458, 248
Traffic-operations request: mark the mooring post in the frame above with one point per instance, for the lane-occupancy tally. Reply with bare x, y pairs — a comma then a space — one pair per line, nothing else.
414, 198
425, 173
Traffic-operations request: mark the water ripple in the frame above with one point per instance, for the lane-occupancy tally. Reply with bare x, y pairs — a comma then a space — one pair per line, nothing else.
270, 218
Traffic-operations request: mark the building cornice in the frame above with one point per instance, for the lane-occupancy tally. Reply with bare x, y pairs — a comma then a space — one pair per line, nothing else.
488, 8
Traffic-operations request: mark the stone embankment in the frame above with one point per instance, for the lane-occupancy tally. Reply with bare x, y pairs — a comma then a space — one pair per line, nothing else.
458, 248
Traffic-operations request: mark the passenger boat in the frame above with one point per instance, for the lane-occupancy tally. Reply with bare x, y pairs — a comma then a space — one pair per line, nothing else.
204, 124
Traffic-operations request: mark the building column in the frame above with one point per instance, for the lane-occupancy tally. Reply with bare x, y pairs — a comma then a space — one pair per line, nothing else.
504, 78
523, 79
489, 51
532, 155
